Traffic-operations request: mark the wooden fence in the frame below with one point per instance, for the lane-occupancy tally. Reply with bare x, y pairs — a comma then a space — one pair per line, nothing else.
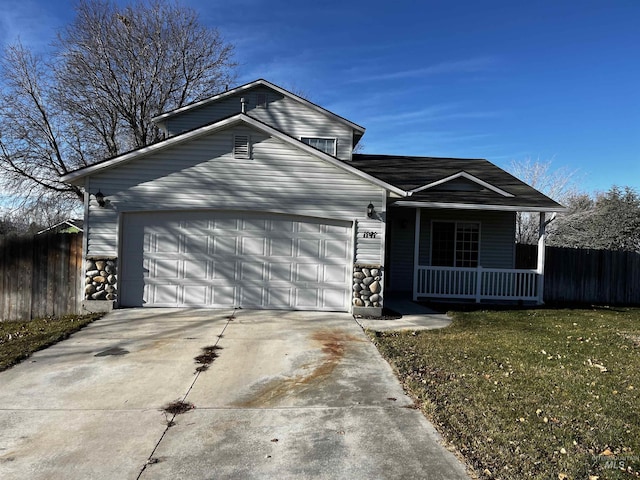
573, 275
40, 276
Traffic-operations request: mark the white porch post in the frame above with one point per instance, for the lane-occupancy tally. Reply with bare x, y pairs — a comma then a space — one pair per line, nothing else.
478, 284
541, 251
416, 254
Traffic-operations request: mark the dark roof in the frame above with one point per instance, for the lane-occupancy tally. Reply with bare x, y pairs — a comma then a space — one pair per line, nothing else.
409, 173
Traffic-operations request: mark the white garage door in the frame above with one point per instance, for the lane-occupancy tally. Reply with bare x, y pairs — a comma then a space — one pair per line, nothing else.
220, 259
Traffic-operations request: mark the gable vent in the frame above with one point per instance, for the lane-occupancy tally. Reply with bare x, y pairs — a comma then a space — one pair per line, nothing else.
241, 146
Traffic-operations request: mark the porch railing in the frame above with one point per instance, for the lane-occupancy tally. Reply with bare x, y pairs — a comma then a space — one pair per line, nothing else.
476, 283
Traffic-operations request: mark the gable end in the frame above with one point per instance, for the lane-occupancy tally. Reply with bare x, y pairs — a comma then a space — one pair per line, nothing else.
454, 180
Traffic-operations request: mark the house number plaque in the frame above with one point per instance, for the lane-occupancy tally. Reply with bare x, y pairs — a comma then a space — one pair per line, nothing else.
369, 234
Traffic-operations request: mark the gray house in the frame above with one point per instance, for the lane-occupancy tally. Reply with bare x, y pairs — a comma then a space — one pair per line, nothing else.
255, 199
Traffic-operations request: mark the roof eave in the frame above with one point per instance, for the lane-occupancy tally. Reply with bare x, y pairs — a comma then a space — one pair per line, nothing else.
164, 116
477, 206
78, 175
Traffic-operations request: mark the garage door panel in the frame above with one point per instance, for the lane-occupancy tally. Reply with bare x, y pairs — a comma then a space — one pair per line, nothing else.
195, 225
222, 245
280, 247
337, 229
195, 268
252, 246
335, 249
254, 225
225, 224
194, 295
196, 244
307, 272
279, 272
307, 298
335, 274
164, 294
333, 298
279, 297
283, 226
163, 243
165, 268
308, 248
224, 271
222, 296
309, 227
252, 295
225, 259
252, 271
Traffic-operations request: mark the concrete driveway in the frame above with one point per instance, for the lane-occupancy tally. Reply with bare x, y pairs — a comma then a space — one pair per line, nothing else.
290, 395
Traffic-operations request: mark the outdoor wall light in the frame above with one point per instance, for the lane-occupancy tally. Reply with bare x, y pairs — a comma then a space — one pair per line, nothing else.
370, 210
100, 198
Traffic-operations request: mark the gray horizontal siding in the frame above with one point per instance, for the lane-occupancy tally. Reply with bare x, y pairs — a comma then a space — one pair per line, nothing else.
203, 174
400, 243
283, 113
369, 251
497, 235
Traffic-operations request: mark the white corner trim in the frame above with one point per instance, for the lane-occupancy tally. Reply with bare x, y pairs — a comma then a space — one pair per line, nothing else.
474, 206
468, 176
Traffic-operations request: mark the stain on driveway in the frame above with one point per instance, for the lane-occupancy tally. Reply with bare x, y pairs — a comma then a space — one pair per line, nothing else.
312, 381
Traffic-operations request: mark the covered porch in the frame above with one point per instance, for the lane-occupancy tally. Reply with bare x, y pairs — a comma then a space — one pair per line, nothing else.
461, 255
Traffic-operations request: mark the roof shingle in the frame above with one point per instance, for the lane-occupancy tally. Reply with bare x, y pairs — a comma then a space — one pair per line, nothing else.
409, 173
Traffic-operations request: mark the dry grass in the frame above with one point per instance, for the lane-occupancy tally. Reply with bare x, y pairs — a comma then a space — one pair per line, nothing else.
18, 340
546, 394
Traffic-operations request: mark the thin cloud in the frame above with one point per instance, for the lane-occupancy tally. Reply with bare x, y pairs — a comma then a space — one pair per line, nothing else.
470, 65
29, 23
433, 113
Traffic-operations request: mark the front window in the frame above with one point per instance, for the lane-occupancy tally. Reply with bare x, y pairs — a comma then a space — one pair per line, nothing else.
327, 145
455, 244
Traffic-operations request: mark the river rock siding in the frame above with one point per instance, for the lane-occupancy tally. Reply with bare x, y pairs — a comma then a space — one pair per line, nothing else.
101, 279
367, 286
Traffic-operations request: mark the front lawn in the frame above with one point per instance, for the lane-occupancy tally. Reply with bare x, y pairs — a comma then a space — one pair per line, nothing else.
546, 394
18, 340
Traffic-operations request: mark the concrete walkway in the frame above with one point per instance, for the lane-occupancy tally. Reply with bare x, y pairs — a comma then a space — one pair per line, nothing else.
291, 396
414, 317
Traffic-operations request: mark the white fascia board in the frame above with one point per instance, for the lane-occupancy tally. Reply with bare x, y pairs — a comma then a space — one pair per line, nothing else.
141, 152
233, 91
468, 176
472, 206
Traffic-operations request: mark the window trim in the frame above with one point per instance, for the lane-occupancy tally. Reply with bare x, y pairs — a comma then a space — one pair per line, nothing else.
261, 96
310, 137
455, 241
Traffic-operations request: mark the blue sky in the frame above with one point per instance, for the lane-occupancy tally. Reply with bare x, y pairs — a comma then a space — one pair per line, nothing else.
503, 80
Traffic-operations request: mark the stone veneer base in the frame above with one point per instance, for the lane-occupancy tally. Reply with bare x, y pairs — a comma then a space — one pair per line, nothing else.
367, 311
97, 306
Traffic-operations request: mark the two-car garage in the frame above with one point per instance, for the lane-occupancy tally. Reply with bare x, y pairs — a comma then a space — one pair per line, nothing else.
207, 258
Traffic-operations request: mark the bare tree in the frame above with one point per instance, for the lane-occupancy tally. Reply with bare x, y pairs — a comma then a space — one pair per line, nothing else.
609, 221
558, 184
37, 214
112, 70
